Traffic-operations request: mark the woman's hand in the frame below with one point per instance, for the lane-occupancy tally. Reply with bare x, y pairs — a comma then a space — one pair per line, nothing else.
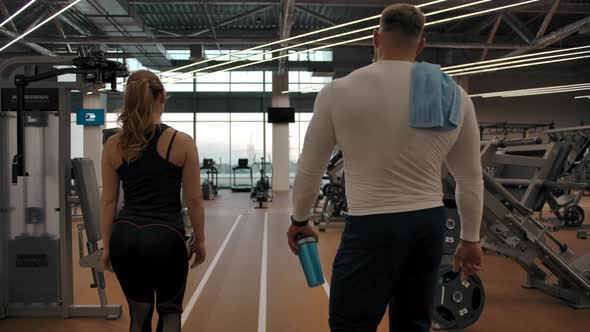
106, 260
199, 252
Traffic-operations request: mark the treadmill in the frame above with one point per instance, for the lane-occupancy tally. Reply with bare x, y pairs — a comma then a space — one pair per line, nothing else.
243, 165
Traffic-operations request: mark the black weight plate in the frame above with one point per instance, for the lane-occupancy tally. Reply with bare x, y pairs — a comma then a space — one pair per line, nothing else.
452, 232
457, 304
574, 216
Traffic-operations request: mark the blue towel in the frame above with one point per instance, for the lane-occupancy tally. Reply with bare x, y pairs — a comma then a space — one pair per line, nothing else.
435, 99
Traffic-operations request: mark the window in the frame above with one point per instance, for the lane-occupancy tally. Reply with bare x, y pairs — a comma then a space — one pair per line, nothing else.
213, 143
178, 54
315, 56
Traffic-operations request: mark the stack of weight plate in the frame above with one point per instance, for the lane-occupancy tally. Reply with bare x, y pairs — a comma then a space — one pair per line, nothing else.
458, 303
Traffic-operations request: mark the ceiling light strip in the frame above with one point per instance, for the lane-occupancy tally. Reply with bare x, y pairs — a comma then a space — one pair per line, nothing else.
458, 7
484, 11
31, 30
543, 93
562, 87
17, 12
311, 33
269, 52
582, 97
520, 66
296, 46
515, 62
341, 43
274, 58
515, 57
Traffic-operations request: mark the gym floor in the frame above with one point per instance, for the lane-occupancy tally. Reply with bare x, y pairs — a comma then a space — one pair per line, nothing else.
227, 292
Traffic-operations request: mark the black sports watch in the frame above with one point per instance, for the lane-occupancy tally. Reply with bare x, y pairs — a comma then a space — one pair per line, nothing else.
299, 223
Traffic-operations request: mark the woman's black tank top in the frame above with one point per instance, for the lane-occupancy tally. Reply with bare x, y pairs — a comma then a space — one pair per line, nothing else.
151, 186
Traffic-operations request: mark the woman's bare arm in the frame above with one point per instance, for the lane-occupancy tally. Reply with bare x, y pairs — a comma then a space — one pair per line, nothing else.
191, 184
110, 192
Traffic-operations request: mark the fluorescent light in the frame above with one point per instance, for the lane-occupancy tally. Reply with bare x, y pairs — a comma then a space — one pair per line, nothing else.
544, 93
39, 25
515, 57
520, 66
527, 91
271, 52
304, 90
458, 7
514, 62
295, 46
275, 58
17, 12
535, 91
484, 11
323, 39
293, 38
582, 97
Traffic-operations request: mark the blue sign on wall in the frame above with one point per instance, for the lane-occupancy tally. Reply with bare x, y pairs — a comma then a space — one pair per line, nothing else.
90, 117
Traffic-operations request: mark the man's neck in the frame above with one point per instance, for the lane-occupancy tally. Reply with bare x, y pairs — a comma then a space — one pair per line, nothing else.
397, 58
398, 55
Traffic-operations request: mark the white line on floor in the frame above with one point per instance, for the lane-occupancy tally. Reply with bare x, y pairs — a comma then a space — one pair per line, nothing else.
263, 278
199, 290
327, 288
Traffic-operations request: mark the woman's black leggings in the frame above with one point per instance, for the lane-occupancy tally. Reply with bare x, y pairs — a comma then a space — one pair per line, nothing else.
151, 263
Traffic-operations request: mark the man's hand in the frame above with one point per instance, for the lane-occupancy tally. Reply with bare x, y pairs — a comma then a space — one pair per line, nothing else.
468, 259
199, 252
307, 230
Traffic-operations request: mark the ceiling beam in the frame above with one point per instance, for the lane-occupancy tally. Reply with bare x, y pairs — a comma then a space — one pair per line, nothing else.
287, 19
493, 33
34, 46
234, 19
518, 26
548, 18
316, 15
210, 21
573, 8
553, 37
239, 40
6, 14
60, 29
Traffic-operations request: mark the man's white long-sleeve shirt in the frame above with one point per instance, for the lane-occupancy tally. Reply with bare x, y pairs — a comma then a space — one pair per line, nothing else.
389, 166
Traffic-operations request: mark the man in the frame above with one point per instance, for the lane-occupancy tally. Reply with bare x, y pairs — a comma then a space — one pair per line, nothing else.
392, 245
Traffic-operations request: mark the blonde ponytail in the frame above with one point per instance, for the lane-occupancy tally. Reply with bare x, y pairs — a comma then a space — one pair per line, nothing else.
137, 116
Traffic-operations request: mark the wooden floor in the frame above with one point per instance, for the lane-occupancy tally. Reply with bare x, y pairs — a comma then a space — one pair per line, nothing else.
224, 294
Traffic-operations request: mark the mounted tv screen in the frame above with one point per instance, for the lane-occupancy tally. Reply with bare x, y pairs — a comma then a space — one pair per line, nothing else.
281, 115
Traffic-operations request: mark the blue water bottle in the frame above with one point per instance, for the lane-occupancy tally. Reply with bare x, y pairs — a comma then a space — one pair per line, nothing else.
310, 260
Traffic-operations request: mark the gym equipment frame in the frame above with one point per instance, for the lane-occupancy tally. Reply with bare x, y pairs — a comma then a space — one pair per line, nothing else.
36, 192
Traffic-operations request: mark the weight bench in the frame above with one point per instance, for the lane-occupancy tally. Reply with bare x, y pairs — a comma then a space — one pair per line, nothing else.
86, 187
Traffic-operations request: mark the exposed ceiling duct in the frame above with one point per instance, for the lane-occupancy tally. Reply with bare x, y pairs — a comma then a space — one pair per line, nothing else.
114, 18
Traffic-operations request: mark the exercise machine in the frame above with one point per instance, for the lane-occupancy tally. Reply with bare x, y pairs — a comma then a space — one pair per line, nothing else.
510, 229
262, 191
334, 205
549, 180
243, 165
505, 129
210, 184
37, 191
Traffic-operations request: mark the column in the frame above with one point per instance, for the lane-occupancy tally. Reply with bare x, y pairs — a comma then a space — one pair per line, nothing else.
280, 135
93, 134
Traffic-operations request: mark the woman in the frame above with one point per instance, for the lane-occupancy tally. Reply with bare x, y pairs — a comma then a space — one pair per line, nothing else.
145, 244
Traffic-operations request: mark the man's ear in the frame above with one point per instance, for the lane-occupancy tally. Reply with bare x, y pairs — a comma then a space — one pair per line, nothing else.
376, 39
421, 46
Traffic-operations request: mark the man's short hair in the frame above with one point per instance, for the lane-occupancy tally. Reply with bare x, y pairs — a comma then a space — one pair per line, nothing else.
404, 19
